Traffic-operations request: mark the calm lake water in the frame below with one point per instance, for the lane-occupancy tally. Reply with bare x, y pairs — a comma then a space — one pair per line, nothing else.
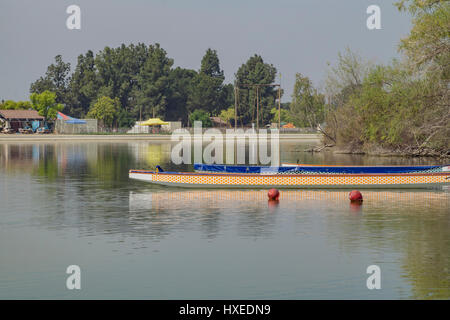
71, 203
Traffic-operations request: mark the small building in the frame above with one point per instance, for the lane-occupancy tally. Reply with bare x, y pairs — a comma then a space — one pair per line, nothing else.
18, 119
218, 122
65, 124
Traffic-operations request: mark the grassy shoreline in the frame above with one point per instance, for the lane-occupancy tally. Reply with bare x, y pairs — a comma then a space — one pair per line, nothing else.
124, 137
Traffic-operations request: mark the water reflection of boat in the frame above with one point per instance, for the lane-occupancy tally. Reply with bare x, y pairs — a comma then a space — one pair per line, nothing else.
194, 199
288, 180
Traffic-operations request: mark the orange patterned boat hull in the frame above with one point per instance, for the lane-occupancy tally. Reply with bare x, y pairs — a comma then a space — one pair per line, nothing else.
218, 180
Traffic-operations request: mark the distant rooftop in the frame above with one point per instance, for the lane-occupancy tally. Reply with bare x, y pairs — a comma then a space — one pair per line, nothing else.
20, 114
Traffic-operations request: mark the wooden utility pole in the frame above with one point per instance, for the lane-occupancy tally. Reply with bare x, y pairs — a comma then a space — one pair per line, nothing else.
257, 108
279, 105
259, 85
235, 106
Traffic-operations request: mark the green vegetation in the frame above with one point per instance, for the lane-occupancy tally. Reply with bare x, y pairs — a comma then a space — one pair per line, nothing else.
207, 91
286, 116
403, 106
56, 80
105, 110
307, 106
227, 115
45, 104
200, 115
256, 71
15, 105
142, 80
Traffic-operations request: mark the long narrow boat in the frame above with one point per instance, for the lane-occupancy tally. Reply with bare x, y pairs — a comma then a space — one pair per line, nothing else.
300, 181
318, 169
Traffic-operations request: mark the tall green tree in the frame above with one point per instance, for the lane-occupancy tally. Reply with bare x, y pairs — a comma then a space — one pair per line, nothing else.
153, 83
84, 85
256, 71
228, 96
308, 105
207, 87
345, 78
105, 110
210, 65
179, 89
343, 81
140, 76
118, 70
427, 48
45, 104
56, 80
428, 45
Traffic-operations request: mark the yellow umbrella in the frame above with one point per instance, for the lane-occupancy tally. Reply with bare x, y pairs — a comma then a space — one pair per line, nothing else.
153, 122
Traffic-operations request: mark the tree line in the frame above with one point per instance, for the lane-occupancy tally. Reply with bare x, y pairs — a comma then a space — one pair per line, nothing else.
120, 85
403, 106
128, 83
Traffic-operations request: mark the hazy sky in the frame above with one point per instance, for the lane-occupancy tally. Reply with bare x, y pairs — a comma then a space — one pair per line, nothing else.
293, 35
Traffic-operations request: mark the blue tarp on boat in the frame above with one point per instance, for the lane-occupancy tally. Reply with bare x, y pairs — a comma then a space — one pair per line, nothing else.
313, 169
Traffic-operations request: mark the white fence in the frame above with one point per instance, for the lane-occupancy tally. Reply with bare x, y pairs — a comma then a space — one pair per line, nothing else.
69, 128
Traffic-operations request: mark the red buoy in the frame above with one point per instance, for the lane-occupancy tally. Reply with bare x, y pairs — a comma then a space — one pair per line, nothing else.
273, 194
355, 195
